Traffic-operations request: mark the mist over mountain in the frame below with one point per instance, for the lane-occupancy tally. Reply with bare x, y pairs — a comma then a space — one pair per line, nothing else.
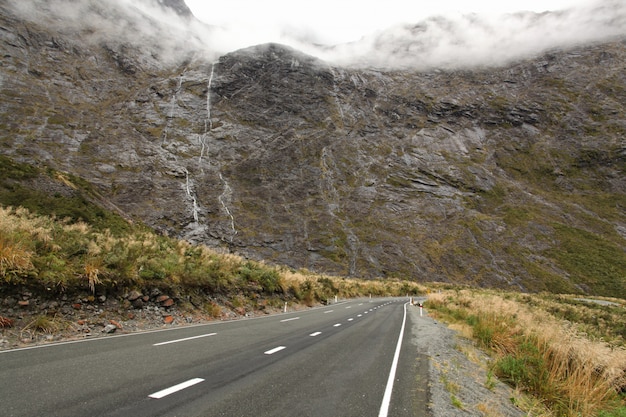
407, 164
168, 28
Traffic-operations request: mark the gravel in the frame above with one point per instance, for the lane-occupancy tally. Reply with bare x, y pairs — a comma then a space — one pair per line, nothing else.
460, 384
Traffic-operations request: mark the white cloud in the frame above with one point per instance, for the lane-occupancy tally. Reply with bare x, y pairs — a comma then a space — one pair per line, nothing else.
339, 21
394, 33
443, 33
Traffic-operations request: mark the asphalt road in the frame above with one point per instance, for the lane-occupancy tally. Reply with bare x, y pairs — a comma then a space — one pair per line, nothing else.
331, 361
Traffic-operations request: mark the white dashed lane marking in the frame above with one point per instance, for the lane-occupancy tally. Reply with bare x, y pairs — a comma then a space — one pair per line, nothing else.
276, 349
175, 388
183, 340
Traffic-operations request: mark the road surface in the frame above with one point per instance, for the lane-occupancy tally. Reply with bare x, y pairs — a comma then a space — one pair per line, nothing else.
330, 361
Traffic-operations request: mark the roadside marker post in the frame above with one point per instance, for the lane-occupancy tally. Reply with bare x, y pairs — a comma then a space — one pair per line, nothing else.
285, 309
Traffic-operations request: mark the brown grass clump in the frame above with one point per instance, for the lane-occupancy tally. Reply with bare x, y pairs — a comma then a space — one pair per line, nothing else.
539, 353
15, 255
6, 322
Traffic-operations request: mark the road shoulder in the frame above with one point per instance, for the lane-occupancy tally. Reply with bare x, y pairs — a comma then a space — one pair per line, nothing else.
458, 380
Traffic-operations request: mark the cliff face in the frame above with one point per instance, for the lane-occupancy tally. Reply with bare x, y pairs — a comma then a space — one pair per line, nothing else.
508, 177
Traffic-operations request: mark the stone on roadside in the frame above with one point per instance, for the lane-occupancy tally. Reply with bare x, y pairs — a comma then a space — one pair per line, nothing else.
168, 319
109, 328
133, 295
162, 298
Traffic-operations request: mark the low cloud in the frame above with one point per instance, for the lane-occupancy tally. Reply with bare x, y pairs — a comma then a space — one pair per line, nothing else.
474, 40
439, 42
146, 25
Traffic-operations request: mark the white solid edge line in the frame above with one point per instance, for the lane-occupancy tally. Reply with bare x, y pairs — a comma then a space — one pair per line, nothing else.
384, 407
276, 349
185, 339
175, 388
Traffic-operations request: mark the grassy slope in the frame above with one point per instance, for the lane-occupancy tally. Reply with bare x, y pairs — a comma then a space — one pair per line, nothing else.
67, 244
567, 355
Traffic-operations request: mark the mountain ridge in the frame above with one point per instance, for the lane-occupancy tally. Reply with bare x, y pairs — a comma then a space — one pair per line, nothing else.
507, 177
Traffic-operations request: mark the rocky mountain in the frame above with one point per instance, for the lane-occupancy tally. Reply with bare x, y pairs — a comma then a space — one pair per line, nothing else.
508, 176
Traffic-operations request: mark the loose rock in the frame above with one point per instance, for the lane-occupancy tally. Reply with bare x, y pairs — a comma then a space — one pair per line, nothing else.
109, 328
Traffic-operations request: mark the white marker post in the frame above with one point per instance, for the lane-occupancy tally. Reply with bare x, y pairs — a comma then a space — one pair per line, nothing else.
421, 308
285, 309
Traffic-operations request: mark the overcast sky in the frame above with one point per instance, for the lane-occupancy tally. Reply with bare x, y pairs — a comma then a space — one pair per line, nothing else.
338, 21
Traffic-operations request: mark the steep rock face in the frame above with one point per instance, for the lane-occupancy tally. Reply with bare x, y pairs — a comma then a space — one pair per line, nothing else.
495, 177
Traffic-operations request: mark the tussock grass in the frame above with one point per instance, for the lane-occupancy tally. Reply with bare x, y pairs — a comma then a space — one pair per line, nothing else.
52, 256
540, 353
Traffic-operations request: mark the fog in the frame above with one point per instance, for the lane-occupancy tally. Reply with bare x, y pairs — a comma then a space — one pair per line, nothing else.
453, 40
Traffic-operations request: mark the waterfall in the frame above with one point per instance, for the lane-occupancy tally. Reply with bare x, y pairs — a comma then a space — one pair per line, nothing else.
226, 194
170, 114
208, 123
191, 195
208, 97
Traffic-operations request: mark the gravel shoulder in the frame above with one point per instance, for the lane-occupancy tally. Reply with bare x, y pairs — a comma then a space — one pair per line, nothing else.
459, 382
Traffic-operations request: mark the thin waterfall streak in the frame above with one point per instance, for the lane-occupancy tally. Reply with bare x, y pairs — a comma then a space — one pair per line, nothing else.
208, 123
193, 198
208, 97
170, 114
227, 192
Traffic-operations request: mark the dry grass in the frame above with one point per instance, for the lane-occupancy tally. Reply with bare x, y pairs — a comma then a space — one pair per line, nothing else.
538, 352
45, 252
